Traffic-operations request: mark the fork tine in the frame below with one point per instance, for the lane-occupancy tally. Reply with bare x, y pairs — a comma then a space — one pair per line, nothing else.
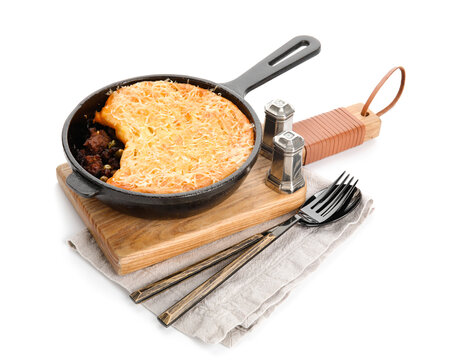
337, 197
338, 205
332, 195
327, 192
353, 191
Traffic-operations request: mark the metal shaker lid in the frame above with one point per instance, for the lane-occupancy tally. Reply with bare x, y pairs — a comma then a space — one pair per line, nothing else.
289, 141
279, 109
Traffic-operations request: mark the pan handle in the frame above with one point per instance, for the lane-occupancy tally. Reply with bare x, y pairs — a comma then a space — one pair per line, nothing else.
81, 186
275, 64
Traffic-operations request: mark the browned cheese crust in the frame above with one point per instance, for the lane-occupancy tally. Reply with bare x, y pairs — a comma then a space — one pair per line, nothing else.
178, 137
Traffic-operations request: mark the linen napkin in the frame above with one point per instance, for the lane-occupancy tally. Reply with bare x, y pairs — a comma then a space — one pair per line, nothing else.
250, 295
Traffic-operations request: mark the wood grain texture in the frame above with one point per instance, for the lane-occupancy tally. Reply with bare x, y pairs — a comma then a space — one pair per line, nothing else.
372, 121
131, 243
154, 288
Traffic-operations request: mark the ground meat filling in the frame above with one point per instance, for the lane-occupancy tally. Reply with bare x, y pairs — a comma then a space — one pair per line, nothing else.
101, 152
97, 142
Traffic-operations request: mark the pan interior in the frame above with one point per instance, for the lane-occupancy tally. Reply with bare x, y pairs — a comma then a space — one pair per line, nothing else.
76, 125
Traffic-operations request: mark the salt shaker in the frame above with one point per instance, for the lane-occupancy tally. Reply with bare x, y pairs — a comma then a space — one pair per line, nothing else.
285, 174
278, 118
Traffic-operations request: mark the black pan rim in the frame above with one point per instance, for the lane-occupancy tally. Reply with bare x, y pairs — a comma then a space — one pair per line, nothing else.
213, 86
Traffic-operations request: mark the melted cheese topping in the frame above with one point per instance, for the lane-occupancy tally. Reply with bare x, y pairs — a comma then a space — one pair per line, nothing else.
178, 137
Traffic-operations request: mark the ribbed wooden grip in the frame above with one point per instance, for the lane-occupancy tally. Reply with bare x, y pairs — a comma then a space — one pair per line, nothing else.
335, 131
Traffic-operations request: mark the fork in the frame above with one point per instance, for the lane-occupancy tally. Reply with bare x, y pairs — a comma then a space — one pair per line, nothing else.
318, 211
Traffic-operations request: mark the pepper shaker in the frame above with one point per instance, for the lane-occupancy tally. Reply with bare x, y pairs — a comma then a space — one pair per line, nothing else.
278, 118
285, 174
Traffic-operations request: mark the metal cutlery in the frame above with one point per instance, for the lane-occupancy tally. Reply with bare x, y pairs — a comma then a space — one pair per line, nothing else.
161, 285
157, 287
317, 212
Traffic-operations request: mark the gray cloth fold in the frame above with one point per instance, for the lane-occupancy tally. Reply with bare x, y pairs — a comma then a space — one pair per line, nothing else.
250, 295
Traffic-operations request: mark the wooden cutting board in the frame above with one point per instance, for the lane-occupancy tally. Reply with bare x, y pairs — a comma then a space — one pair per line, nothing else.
132, 243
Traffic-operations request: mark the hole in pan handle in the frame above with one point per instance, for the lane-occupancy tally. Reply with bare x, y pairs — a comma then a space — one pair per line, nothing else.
276, 64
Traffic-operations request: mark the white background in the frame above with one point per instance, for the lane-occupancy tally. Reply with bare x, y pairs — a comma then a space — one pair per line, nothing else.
383, 294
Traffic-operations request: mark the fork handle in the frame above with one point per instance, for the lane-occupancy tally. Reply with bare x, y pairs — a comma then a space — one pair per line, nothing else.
169, 316
155, 288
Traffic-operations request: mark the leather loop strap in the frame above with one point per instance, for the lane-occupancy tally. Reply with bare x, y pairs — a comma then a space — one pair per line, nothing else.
377, 88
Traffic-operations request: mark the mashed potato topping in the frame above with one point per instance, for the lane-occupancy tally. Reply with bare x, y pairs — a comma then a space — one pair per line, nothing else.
178, 137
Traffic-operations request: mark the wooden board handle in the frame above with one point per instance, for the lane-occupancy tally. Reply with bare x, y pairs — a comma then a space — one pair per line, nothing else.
336, 131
